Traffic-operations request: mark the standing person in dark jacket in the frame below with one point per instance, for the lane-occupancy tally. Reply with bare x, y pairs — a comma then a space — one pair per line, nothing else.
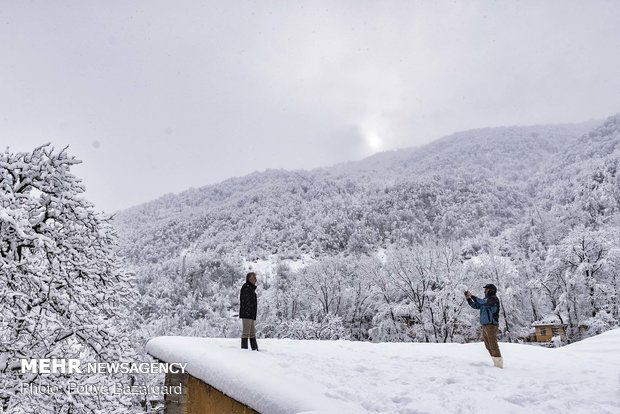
247, 311
489, 319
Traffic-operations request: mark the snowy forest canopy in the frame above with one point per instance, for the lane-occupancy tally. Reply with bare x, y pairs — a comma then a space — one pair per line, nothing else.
382, 249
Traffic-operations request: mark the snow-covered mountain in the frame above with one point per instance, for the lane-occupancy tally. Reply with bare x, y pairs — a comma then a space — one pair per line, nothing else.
471, 180
509, 153
377, 249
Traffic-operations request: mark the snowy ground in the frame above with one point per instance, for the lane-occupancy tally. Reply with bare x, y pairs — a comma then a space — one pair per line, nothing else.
289, 376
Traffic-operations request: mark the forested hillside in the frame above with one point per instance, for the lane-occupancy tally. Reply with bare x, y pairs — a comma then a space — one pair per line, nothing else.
381, 249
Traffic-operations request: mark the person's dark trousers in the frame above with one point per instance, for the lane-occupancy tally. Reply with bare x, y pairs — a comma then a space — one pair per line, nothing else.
489, 335
244, 343
253, 344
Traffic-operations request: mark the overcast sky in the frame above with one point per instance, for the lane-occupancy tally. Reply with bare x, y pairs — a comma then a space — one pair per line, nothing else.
159, 96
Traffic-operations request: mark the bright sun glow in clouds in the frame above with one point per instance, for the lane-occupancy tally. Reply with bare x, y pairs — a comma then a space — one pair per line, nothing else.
373, 141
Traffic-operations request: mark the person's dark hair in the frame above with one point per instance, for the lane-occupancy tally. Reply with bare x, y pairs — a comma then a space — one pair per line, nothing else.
248, 276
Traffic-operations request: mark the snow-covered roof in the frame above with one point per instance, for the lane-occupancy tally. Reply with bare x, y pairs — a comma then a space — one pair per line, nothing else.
289, 376
550, 319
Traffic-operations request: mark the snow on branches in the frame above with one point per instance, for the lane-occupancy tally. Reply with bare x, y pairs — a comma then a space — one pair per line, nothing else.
62, 291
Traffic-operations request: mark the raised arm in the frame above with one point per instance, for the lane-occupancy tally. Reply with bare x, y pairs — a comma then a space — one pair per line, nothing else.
476, 302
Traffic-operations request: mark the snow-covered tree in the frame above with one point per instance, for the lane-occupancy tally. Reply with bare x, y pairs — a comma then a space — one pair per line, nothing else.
422, 288
63, 293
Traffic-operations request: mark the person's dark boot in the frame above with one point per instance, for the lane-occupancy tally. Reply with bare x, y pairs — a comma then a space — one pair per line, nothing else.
253, 344
244, 343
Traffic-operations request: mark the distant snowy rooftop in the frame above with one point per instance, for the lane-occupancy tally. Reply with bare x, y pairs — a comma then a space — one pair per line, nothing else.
548, 320
289, 376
